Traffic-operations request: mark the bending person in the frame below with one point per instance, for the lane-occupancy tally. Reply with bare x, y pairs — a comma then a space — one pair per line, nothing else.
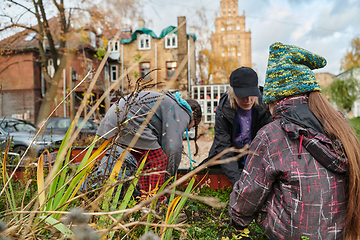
303, 179
238, 118
162, 136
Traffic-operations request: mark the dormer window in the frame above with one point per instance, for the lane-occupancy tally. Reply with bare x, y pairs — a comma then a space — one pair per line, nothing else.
114, 46
144, 42
171, 41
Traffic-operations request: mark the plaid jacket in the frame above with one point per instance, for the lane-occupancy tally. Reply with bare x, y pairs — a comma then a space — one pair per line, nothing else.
294, 184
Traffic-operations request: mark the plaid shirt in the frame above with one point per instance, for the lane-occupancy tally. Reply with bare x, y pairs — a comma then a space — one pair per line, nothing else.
294, 184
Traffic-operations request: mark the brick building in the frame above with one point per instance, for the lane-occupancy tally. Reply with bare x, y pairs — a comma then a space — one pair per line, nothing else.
165, 52
231, 40
23, 83
22, 79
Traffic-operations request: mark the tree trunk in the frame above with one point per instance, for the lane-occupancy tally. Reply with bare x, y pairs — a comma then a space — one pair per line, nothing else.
49, 99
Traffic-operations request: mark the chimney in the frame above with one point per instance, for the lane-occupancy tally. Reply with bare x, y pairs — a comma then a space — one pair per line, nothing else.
182, 53
141, 23
192, 30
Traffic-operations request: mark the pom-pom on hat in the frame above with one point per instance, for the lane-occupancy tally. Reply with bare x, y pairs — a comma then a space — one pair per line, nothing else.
289, 72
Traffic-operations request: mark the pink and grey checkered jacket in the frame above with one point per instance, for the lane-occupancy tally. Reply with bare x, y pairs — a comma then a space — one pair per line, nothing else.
294, 184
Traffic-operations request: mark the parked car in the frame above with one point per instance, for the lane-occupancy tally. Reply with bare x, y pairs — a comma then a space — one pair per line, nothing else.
21, 134
62, 124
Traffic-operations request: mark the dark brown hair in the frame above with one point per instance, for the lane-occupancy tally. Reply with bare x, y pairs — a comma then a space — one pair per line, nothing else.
336, 127
196, 109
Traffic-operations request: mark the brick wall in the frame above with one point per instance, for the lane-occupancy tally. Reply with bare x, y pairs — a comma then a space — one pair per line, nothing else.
182, 53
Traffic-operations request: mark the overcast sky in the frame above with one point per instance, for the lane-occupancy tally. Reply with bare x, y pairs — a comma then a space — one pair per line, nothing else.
325, 27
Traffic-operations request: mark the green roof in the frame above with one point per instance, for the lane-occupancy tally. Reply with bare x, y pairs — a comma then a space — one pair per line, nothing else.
163, 33
166, 31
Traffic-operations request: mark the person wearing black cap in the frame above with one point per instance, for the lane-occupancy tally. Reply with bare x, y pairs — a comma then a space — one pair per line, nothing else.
238, 118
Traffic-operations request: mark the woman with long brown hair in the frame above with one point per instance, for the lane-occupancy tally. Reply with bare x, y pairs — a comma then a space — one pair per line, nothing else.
303, 178
336, 127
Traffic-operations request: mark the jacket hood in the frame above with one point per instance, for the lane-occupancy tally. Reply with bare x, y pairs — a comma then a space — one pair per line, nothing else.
169, 94
299, 123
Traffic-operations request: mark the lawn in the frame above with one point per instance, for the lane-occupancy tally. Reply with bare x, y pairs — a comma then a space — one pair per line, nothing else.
355, 124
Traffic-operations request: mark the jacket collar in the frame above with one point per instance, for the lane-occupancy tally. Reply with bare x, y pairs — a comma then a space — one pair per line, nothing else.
299, 123
297, 111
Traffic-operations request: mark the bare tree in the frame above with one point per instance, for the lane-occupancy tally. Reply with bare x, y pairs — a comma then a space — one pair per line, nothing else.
72, 17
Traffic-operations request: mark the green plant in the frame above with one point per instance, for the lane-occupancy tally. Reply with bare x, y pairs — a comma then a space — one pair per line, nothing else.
344, 92
355, 125
206, 221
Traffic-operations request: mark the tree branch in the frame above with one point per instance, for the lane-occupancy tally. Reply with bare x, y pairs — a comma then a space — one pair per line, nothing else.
14, 25
20, 5
3, 70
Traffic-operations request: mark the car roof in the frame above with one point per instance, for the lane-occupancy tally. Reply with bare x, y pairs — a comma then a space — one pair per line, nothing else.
56, 118
15, 119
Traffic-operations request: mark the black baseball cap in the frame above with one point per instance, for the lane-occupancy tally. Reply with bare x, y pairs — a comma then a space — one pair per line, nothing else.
244, 81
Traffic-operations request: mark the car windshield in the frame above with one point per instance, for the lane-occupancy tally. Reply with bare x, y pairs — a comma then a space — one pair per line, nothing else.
13, 125
64, 123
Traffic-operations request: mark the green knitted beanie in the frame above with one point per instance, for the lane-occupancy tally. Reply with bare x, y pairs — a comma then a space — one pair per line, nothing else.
289, 72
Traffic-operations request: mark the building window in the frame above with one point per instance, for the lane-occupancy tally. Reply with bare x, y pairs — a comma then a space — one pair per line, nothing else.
89, 68
144, 69
144, 42
222, 29
93, 39
237, 27
113, 73
170, 69
171, 41
114, 46
229, 28
51, 68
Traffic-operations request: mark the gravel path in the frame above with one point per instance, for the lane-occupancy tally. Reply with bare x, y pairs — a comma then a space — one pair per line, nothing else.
204, 143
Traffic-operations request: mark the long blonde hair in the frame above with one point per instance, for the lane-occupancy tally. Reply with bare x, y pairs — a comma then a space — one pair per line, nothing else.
232, 96
336, 127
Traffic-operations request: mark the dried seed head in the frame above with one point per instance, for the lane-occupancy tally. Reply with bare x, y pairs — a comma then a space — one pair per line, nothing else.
85, 232
150, 236
2, 226
77, 216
